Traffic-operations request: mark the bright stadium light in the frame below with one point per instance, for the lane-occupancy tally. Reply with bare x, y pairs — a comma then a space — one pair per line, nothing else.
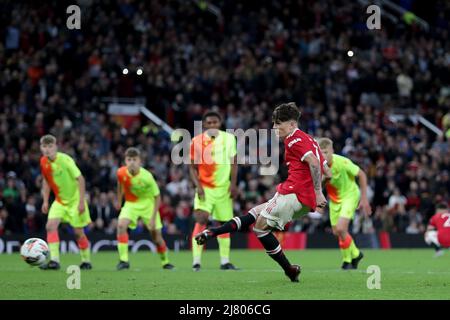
139, 71
125, 71
350, 53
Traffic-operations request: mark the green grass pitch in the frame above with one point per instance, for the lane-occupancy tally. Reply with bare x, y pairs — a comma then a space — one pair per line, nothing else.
405, 274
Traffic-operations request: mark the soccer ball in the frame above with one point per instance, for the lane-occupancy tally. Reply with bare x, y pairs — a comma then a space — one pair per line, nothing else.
34, 251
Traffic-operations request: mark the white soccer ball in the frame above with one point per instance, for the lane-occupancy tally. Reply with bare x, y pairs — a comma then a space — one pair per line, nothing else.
34, 251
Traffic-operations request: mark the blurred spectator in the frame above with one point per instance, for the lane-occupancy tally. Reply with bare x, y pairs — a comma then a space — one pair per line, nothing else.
103, 214
33, 222
166, 210
4, 221
179, 185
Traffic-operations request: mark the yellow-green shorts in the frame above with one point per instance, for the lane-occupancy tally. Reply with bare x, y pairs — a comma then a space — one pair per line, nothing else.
143, 210
345, 209
69, 213
217, 202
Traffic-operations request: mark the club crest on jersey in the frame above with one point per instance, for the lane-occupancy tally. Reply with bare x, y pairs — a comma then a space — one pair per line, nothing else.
294, 141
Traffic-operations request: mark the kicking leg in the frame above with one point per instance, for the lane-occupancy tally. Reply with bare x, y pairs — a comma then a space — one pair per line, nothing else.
233, 225
273, 248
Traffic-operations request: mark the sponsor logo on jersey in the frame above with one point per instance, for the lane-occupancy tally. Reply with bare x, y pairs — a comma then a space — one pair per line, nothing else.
294, 141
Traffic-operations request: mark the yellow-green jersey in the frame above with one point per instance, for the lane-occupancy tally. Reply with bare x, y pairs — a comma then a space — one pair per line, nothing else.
61, 174
141, 187
213, 156
342, 184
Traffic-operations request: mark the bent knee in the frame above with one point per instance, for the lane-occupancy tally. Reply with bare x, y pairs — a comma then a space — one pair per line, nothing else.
122, 227
261, 223
156, 236
260, 232
51, 226
261, 227
340, 231
255, 211
201, 217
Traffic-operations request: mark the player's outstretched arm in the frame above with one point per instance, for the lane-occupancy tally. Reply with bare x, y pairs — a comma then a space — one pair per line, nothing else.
364, 203
316, 174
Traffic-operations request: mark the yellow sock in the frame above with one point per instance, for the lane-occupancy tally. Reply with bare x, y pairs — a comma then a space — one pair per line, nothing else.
346, 255
354, 251
85, 255
344, 245
196, 249
122, 246
163, 254
83, 244
224, 248
123, 251
54, 251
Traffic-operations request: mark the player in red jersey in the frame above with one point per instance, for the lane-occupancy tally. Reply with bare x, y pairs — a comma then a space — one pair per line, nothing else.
438, 230
299, 194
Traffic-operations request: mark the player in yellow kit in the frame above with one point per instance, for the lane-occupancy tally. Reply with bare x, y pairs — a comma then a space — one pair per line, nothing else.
62, 176
345, 195
213, 171
142, 199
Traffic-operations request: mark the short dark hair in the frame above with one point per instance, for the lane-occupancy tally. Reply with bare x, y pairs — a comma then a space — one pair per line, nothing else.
442, 206
132, 152
285, 112
211, 114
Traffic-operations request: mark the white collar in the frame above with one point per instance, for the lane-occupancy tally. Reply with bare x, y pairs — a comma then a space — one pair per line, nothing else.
292, 133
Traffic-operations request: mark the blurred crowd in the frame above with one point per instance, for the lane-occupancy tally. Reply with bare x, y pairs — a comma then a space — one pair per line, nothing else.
240, 63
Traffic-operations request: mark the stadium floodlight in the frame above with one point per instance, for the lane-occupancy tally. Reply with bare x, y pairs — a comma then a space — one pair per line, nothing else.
125, 71
139, 71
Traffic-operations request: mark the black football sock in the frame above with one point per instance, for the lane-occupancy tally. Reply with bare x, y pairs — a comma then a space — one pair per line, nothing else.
436, 247
235, 224
273, 249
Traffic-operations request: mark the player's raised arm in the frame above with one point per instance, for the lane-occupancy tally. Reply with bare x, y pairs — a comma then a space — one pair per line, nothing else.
45, 195
316, 174
364, 203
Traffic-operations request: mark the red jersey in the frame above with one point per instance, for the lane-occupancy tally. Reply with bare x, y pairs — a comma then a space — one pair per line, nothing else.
441, 221
298, 145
